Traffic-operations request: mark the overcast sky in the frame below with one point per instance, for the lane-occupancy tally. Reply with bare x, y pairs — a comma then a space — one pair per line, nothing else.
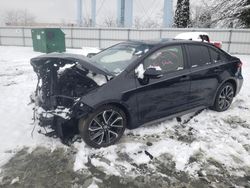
57, 11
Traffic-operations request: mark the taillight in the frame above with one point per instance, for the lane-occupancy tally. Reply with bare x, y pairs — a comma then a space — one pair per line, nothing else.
239, 64
218, 44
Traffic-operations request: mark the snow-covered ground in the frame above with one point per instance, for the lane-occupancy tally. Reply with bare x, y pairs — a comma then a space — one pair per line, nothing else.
214, 146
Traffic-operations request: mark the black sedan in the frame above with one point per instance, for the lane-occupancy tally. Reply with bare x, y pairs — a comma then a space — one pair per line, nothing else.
130, 84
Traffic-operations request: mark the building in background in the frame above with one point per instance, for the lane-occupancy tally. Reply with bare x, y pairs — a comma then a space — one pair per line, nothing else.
125, 13
168, 13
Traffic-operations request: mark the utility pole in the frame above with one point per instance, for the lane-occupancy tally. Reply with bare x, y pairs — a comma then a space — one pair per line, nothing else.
79, 13
125, 13
168, 15
93, 13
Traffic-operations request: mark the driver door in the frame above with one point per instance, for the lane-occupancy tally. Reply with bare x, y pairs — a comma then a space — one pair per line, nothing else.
167, 94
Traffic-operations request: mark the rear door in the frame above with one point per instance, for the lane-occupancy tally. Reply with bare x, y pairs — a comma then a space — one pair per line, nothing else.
206, 67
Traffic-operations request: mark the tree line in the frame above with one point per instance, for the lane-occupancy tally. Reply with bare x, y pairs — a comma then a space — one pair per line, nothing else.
208, 14
218, 13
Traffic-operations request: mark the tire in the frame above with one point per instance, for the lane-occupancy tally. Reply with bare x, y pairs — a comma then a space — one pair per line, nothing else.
224, 97
104, 127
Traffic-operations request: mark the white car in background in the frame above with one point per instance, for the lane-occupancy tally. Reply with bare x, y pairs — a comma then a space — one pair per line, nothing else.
198, 36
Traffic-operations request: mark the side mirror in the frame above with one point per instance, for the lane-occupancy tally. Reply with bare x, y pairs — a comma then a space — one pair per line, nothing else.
89, 55
152, 73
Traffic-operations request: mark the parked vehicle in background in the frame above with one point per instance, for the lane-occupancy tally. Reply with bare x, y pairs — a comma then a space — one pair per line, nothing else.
130, 84
198, 36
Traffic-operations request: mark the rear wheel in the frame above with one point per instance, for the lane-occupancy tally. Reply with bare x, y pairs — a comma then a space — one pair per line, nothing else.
224, 97
104, 127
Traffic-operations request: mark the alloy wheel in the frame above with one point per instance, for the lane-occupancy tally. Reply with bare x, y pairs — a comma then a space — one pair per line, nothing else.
226, 97
106, 127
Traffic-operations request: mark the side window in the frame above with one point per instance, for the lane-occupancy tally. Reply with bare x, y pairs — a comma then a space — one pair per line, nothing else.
167, 59
216, 57
199, 55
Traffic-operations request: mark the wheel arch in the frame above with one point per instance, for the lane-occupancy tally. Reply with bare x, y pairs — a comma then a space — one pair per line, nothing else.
230, 80
122, 107
233, 82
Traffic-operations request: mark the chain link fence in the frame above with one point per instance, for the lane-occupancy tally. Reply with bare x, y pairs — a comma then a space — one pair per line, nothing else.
236, 41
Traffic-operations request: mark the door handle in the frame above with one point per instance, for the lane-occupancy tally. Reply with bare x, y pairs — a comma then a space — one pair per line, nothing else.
184, 78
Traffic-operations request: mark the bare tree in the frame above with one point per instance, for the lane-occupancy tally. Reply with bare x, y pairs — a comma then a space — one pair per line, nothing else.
222, 14
138, 23
147, 23
110, 22
19, 17
150, 23
201, 16
227, 13
87, 22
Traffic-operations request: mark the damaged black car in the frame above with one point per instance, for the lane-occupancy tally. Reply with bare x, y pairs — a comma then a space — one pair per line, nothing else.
130, 84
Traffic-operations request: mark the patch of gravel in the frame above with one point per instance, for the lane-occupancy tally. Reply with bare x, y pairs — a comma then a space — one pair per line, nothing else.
41, 168
44, 168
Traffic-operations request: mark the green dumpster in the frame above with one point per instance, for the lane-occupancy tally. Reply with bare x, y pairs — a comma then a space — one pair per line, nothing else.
48, 40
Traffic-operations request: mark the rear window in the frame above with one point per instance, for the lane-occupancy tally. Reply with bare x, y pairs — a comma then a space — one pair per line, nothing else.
216, 56
199, 55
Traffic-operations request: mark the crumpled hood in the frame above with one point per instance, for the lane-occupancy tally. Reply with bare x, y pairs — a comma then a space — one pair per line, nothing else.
61, 59
64, 77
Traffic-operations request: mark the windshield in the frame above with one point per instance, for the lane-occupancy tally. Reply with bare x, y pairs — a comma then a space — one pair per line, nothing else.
118, 57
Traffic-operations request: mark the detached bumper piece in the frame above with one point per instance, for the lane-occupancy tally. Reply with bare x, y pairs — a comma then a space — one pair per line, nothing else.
62, 81
59, 121
62, 122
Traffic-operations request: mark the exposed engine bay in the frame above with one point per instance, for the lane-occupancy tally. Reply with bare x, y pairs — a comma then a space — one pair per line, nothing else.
62, 80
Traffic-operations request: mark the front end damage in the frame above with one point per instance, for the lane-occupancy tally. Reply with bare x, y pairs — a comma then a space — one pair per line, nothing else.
63, 79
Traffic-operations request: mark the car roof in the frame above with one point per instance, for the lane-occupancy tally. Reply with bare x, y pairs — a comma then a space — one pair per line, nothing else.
160, 42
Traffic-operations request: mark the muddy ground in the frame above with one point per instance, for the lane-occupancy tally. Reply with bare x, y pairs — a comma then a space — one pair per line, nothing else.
44, 168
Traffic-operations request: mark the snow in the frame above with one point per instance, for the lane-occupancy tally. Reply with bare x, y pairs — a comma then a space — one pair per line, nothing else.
140, 71
61, 111
158, 68
67, 66
93, 185
222, 137
213, 138
190, 36
98, 78
227, 13
15, 180
86, 50
17, 82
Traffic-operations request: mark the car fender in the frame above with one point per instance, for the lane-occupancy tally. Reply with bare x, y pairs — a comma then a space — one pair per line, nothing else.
231, 79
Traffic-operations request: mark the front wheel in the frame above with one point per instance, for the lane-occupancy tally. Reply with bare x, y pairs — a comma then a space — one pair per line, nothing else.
103, 127
224, 97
